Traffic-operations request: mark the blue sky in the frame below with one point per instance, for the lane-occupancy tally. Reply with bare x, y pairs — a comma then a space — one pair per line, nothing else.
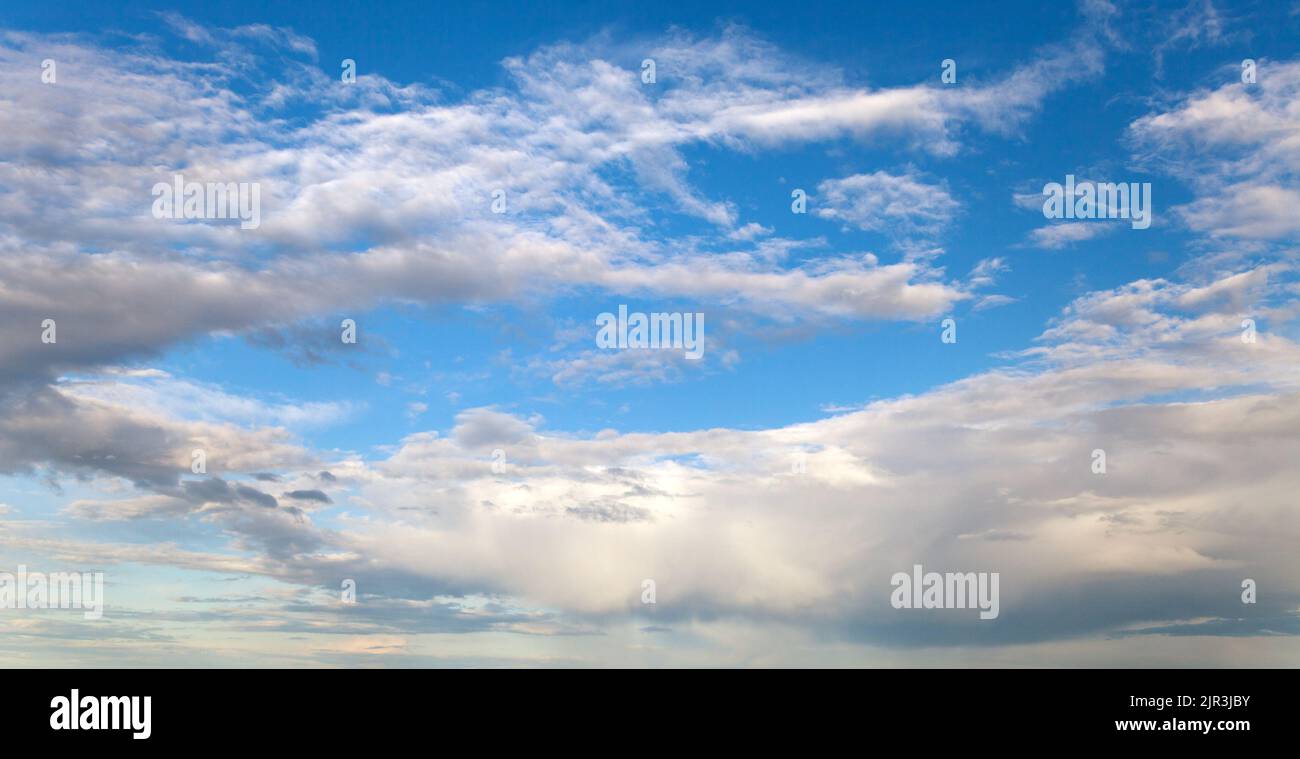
477, 330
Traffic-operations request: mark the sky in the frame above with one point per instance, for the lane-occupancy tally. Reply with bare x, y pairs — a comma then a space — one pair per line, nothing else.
905, 360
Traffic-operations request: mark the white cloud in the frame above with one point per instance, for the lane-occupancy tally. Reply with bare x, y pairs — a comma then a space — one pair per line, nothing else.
1239, 148
1197, 488
1062, 234
412, 174
897, 204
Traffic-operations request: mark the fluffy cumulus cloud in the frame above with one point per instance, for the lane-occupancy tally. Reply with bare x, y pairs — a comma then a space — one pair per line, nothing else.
721, 522
883, 202
502, 524
1238, 144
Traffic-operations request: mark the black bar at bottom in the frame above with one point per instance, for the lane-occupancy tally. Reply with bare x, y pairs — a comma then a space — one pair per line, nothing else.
331, 709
